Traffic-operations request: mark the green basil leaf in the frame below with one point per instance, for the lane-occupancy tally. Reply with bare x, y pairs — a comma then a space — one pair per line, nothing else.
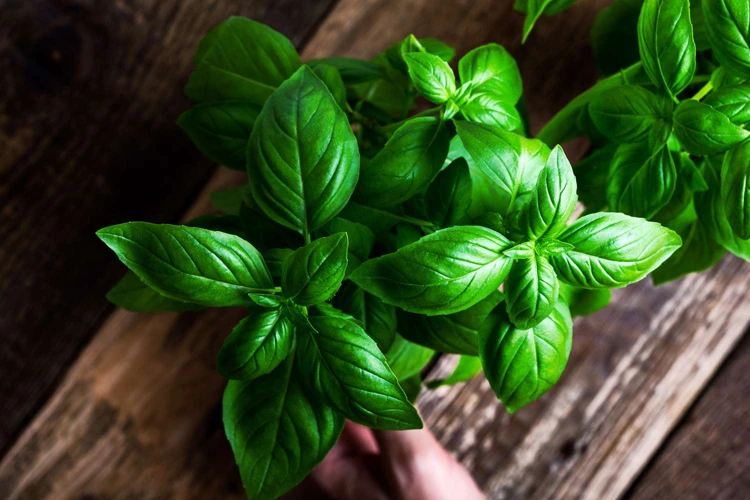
452, 333
257, 345
361, 240
412, 387
735, 188
614, 36
188, 263
490, 69
438, 48
411, 158
523, 250
352, 71
531, 291
303, 161
641, 184
493, 221
467, 368
507, 165
628, 113
702, 130
332, 79
277, 431
583, 302
378, 220
313, 273
733, 101
550, 246
220, 130
394, 54
378, 318
692, 175
521, 365
432, 77
345, 368
134, 295
276, 259
728, 27
552, 200
241, 59
700, 31
665, 41
229, 201
442, 273
612, 250
591, 177
448, 198
268, 300
407, 359
534, 9
263, 233
488, 109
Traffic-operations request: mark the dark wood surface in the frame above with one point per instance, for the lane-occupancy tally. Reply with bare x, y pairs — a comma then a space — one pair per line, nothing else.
90, 91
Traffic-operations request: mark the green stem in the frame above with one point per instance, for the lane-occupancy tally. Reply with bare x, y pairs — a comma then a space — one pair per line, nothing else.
703, 91
307, 237
388, 129
276, 289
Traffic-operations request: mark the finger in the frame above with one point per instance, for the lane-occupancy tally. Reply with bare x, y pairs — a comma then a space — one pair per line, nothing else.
359, 437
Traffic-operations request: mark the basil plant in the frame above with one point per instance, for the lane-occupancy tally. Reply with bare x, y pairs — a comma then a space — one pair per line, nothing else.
389, 201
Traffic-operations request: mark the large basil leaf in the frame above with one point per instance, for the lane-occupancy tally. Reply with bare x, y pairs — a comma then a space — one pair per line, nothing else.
612, 250
220, 130
489, 109
377, 317
188, 263
345, 368
641, 184
665, 41
241, 59
728, 27
452, 333
303, 161
531, 291
735, 188
702, 130
314, 272
432, 77
491, 69
521, 365
407, 359
442, 273
628, 113
733, 101
448, 198
277, 431
467, 368
411, 158
582, 301
506, 165
257, 345
552, 200
591, 177
352, 71
132, 294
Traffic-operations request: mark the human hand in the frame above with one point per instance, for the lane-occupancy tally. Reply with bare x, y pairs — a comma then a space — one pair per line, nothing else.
379, 465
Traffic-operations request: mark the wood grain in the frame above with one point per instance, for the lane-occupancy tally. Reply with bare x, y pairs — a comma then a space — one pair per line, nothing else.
89, 95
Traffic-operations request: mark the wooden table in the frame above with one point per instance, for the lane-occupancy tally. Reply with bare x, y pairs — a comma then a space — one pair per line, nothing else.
101, 403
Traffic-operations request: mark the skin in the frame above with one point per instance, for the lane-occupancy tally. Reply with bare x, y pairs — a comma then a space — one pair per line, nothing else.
380, 465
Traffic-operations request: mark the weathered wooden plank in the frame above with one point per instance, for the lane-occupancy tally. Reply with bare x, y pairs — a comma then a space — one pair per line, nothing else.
707, 454
89, 93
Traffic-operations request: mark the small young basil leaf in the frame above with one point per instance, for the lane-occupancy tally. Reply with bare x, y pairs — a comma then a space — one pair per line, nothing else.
243, 60
438, 48
733, 101
448, 198
442, 273
552, 200
332, 79
432, 77
278, 432
276, 258
412, 387
407, 359
521, 365
411, 158
378, 318
550, 246
453, 333
134, 295
583, 302
698, 252
531, 291
665, 41
303, 161
490, 69
188, 263
641, 184
729, 34
394, 54
257, 345
612, 250
467, 368
702, 130
591, 176
345, 368
521, 251
628, 113
735, 188
229, 201
507, 165
313, 273
488, 109
267, 300
352, 71
220, 130
614, 36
